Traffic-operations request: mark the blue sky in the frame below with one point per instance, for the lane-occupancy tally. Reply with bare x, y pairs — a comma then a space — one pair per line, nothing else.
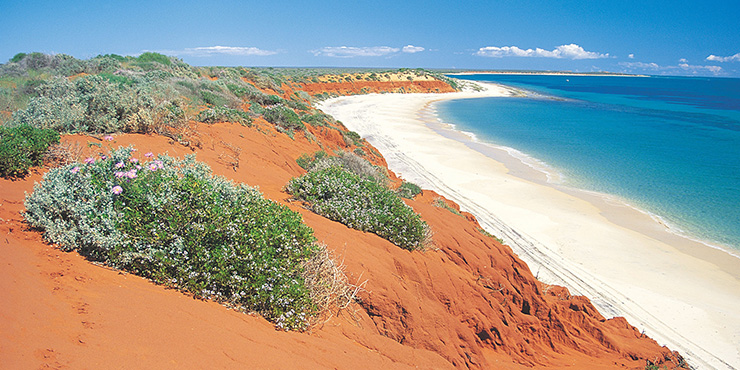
654, 37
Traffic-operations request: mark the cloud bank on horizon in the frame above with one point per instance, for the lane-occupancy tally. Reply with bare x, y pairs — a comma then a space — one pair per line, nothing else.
682, 66
366, 51
570, 51
565, 52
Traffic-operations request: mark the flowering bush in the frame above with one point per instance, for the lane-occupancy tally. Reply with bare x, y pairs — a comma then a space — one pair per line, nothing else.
174, 222
361, 204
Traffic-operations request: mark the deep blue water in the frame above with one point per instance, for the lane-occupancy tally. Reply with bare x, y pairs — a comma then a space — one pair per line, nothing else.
668, 145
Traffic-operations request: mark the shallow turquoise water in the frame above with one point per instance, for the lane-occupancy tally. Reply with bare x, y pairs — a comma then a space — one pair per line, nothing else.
668, 145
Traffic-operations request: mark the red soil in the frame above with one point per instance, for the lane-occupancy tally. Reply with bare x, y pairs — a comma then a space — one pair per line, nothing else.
469, 302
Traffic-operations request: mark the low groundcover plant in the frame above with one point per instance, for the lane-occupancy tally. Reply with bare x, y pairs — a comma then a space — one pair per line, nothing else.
174, 222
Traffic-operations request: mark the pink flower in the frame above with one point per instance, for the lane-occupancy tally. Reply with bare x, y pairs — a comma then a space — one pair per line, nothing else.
120, 174
138, 167
120, 165
90, 160
133, 160
108, 138
152, 166
103, 157
149, 155
75, 169
117, 190
159, 163
131, 174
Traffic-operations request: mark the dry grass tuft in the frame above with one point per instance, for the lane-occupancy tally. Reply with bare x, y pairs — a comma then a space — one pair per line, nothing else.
328, 285
62, 154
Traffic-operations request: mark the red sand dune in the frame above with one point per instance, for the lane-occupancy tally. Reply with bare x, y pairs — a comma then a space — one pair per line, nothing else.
469, 302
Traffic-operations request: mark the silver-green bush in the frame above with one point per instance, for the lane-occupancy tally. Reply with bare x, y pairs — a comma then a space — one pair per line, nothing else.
174, 222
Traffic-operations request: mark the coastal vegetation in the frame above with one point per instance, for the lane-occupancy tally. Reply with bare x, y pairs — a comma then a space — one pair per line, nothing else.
154, 93
348, 189
22, 147
174, 222
408, 190
171, 220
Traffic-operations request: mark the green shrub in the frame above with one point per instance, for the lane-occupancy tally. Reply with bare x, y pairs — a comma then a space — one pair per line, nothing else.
316, 119
23, 147
408, 190
174, 222
351, 138
264, 79
350, 162
284, 117
118, 79
249, 92
360, 204
306, 160
297, 105
17, 58
223, 114
211, 98
150, 57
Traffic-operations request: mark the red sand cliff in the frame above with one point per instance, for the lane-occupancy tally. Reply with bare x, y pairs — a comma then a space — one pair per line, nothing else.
470, 302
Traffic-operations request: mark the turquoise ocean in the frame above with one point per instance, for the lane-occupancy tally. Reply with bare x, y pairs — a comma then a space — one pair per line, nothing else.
669, 146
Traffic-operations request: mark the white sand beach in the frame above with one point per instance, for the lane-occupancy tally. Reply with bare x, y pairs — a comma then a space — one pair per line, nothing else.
682, 293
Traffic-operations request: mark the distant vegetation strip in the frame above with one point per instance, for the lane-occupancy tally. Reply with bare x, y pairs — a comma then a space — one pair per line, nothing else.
153, 93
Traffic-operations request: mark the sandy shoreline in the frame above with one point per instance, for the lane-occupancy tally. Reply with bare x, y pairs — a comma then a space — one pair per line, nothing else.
683, 294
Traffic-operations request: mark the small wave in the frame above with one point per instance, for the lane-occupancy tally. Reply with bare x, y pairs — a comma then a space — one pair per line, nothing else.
667, 225
553, 175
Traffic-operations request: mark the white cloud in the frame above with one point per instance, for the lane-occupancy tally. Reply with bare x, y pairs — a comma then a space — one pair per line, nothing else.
640, 65
731, 58
685, 67
683, 60
631, 56
571, 51
350, 51
207, 51
696, 69
412, 49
